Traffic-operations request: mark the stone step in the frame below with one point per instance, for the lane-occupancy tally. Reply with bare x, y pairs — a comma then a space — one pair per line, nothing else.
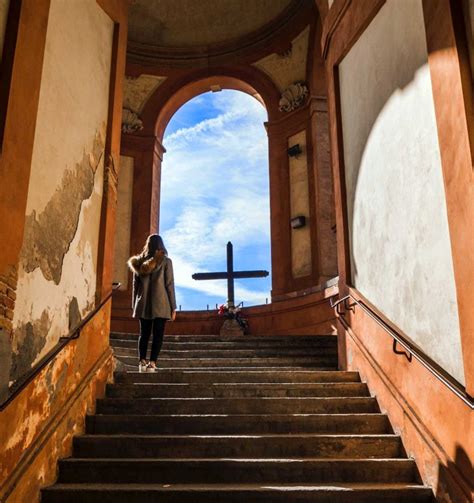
132, 368
234, 424
242, 446
230, 362
235, 390
234, 353
272, 339
244, 344
237, 493
226, 471
262, 375
334, 405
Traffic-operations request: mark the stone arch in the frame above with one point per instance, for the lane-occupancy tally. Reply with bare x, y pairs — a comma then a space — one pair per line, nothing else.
175, 92
178, 89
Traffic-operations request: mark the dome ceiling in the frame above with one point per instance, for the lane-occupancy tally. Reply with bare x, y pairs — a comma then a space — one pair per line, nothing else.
201, 23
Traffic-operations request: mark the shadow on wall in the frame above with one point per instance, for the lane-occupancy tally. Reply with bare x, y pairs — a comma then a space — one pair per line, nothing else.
396, 204
380, 70
394, 182
456, 475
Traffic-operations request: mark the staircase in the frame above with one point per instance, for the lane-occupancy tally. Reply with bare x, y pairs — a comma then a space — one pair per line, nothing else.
245, 419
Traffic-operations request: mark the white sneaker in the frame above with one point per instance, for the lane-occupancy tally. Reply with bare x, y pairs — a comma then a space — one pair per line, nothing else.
142, 365
151, 367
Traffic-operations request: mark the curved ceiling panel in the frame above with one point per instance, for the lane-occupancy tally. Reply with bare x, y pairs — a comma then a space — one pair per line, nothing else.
191, 23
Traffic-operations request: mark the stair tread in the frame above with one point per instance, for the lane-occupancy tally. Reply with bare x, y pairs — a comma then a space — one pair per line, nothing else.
328, 398
207, 448
248, 435
231, 459
240, 487
230, 369
237, 416
241, 384
224, 370
127, 335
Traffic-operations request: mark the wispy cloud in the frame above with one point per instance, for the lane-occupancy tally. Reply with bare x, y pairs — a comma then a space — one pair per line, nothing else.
215, 189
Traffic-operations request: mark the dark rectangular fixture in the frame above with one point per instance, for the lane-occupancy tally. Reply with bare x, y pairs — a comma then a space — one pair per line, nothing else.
298, 222
294, 150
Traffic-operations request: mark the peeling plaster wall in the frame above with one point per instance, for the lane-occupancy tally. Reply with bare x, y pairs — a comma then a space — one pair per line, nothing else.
57, 274
4, 5
299, 206
287, 68
399, 237
124, 220
51, 410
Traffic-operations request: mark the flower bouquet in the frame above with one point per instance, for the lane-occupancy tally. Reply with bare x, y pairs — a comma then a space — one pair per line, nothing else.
233, 313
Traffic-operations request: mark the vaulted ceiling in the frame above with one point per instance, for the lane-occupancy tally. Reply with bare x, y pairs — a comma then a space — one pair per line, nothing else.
191, 23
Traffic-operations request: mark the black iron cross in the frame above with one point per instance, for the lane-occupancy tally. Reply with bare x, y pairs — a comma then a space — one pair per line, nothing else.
230, 275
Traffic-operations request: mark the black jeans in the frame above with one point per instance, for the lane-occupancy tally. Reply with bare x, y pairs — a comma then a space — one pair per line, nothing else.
158, 325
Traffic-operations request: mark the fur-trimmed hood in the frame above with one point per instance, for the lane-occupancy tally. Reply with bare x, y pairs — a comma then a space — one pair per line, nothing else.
142, 266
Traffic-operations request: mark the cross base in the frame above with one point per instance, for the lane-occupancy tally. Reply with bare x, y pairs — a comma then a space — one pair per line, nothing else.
231, 328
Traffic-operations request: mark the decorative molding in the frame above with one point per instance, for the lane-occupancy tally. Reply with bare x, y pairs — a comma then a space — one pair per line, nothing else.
288, 66
293, 97
131, 122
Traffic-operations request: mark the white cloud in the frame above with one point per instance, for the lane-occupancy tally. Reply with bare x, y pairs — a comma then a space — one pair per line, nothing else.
215, 189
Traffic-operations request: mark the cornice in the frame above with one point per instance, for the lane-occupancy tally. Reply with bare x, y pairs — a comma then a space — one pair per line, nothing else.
273, 36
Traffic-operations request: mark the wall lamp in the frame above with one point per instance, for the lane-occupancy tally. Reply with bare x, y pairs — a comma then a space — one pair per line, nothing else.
294, 150
298, 222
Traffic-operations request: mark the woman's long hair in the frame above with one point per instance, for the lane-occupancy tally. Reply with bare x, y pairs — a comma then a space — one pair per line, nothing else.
153, 244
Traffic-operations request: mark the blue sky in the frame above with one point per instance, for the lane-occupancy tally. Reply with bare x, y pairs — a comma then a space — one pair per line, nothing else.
214, 189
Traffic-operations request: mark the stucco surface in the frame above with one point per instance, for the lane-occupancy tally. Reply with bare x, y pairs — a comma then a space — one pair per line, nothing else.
400, 247
4, 4
124, 220
57, 273
285, 69
299, 206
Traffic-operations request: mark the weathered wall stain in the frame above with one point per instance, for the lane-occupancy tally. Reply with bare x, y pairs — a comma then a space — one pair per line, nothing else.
48, 235
8, 284
5, 362
74, 313
30, 339
54, 379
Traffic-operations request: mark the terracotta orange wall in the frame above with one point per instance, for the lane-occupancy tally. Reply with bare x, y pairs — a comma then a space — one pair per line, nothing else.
303, 315
37, 427
17, 148
435, 424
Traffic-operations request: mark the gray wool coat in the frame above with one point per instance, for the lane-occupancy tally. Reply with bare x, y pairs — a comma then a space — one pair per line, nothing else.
153, 293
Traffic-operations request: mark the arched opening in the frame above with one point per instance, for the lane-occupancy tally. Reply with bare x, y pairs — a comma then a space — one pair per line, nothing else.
214, 189
300, 186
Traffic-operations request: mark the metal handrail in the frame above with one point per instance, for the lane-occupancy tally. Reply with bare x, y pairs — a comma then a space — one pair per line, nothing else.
411, 350
62, 343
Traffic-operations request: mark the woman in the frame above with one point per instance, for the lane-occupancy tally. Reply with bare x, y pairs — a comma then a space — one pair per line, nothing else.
153, 298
